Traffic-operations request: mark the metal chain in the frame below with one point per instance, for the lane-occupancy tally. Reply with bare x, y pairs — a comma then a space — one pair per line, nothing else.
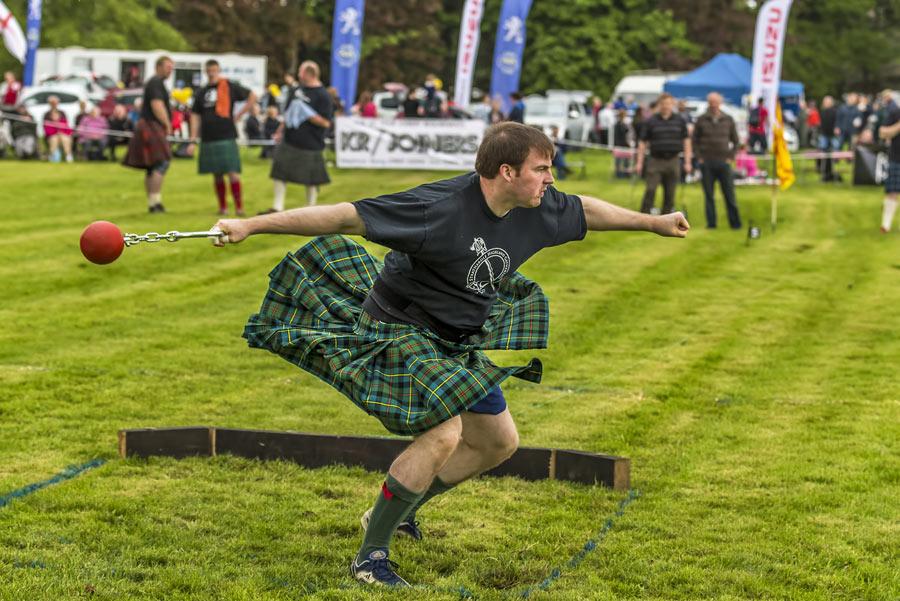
131, 239
173, 236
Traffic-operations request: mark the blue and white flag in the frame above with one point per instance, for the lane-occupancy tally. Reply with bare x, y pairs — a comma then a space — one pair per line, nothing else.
346, 40
33, 36
507, 65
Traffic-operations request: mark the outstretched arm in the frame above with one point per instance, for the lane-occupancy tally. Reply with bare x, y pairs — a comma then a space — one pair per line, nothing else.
308, 221
603, 216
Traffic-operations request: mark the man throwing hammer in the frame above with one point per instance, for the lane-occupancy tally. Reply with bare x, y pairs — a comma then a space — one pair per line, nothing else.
403, 341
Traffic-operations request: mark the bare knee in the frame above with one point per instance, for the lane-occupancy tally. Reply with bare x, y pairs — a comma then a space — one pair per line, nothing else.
498, 447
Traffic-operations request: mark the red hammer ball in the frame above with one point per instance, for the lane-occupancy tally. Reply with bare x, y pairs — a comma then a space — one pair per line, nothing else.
102, 242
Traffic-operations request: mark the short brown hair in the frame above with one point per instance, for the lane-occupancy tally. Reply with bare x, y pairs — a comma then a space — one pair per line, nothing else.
509, 143
162, 59
309, 67
664, 96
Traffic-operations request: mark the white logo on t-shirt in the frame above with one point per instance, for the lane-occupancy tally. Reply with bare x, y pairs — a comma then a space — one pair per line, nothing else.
491, 262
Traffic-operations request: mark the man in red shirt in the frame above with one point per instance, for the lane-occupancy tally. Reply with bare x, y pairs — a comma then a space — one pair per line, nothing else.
11, 91
758, 143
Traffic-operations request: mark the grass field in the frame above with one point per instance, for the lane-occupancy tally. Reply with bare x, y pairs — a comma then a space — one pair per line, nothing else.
754, 387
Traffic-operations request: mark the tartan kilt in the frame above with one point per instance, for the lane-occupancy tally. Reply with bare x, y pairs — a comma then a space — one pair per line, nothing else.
148, 147
892, 181
299, 166
220, 156
406, 376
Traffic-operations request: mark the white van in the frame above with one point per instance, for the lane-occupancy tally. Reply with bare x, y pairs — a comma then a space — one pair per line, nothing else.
643, 86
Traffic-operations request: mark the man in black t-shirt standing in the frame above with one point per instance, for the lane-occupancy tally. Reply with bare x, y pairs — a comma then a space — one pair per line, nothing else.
828, 137
666, 135
890, 133
404, 341
149, 148
298, 157
213, 115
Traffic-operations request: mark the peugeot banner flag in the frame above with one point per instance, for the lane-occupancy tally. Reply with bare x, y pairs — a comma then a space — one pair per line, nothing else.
33, 37
507, 65
346, 40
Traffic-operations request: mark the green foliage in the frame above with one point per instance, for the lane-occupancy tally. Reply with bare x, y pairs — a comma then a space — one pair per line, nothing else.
835, 46
115, 24
753, 387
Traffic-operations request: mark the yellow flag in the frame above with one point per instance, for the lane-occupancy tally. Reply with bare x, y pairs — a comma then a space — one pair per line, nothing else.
784, 167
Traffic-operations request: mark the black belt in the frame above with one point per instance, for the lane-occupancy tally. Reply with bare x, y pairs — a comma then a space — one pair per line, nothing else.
402, 303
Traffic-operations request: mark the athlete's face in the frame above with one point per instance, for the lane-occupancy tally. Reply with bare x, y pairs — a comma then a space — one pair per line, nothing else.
532, 180
212, 73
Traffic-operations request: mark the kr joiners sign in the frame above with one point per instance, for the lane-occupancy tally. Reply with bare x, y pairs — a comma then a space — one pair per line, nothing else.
448, 144
768, 46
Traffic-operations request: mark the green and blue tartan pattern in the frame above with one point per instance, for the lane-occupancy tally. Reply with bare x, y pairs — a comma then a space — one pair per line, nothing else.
406, 376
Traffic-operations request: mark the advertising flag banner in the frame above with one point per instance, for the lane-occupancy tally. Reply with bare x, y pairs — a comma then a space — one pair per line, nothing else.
469, 35
33, 36
12, 33
784, 166
346, 42
768, 45
507, 65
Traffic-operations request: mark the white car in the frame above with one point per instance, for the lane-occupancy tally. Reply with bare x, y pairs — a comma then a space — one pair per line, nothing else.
35, 101
570, 113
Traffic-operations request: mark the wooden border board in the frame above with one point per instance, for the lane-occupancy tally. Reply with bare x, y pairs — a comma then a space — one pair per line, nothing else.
370, 452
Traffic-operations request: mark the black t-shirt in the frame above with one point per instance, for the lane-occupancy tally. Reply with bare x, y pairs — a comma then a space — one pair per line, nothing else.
892, 116
212, 126
155, 89
666, 136
309, 136
829, 121
450, 251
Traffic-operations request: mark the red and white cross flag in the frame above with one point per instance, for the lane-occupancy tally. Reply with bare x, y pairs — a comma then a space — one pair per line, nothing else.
768, 45
12, 34
469, 35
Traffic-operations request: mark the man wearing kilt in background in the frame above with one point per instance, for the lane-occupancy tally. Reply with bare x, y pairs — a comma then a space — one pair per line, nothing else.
403, 340
298, 157
213, 114
149, 149
889, 131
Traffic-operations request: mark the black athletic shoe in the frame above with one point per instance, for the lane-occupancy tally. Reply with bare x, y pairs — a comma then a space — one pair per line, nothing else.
377, 569
157, 208
410, 529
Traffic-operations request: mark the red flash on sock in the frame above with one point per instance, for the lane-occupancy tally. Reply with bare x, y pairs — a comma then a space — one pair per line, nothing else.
384, 490
236, 194
220, 193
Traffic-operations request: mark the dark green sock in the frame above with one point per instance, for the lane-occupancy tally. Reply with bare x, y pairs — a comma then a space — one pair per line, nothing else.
392, 505
438, 487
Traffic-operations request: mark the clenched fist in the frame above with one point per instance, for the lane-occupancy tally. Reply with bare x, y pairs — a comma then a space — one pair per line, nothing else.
671, 225
233, 231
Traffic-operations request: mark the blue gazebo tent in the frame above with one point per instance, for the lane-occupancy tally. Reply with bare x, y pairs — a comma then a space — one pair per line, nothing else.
727, 74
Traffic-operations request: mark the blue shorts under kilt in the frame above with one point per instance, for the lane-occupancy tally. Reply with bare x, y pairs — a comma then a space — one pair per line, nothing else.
892, 182
493, 404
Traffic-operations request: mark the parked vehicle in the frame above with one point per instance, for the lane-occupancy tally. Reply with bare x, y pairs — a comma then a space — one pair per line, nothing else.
567, 110
35, 101
643, 87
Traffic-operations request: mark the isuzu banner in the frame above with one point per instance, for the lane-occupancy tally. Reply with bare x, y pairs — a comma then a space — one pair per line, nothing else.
346, 41
469, 35
768, 45
448, 144
507, 65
